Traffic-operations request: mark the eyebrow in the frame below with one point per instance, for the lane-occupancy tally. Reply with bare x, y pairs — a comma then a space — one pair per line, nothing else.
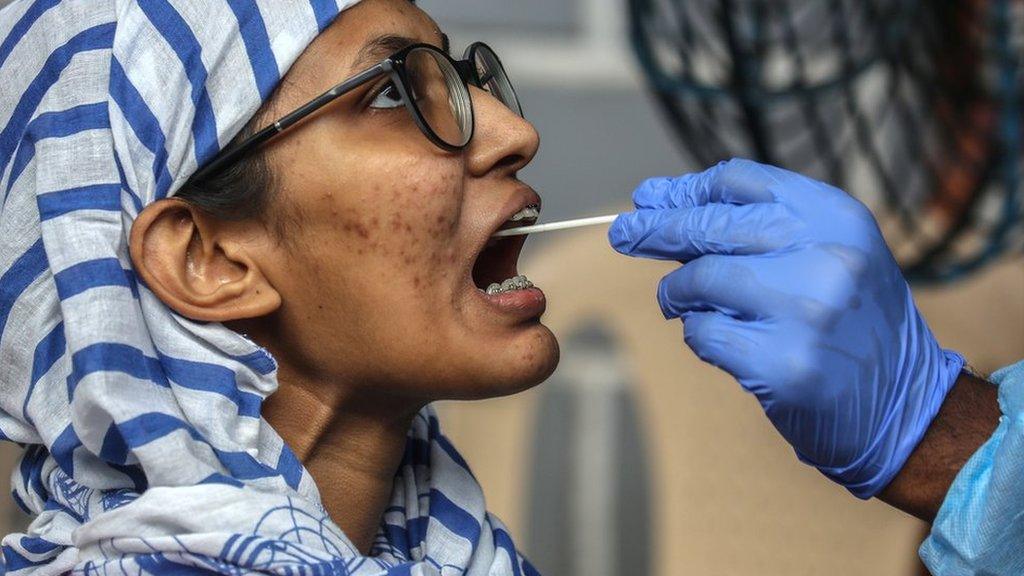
383, 46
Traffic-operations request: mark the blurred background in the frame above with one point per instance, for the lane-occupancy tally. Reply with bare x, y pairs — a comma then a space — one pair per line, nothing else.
635, 458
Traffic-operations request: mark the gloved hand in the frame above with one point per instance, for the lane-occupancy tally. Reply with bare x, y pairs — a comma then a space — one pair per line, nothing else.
788, 285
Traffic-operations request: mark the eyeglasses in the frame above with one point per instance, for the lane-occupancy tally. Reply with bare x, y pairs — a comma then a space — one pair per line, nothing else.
432, 86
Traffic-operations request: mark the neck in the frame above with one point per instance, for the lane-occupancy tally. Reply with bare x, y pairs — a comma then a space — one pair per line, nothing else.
351, 446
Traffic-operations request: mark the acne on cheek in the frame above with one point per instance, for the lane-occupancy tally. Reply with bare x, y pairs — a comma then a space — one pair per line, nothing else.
357, 228
408, 223
399, 225
397, 235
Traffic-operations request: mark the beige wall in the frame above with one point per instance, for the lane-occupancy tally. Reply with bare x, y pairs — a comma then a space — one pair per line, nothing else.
729, 496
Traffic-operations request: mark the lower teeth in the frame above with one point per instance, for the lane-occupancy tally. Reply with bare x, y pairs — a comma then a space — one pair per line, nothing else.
515, 283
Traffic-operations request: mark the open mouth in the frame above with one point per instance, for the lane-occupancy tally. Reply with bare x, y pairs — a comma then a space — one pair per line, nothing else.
495, 269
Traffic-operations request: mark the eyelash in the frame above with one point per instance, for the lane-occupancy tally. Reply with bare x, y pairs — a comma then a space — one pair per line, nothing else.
376, 93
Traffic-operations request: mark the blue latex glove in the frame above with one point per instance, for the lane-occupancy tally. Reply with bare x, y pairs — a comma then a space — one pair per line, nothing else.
788, 285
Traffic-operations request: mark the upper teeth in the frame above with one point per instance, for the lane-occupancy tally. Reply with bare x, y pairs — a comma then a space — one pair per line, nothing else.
531, 212
515, 283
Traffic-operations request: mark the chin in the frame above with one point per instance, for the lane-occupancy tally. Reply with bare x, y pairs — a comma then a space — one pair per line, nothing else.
529, 364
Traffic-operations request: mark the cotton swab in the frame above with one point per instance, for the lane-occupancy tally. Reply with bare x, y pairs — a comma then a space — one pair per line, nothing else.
555, 226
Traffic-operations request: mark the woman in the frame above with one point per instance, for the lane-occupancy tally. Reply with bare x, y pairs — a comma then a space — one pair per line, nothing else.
342, 271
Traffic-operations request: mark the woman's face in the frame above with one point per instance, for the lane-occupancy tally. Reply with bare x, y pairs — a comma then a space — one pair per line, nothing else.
381, 232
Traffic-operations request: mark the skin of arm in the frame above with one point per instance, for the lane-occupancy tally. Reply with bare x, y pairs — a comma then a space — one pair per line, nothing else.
967, 419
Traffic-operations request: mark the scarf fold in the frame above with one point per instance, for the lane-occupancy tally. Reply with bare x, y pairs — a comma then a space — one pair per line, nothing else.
145, 451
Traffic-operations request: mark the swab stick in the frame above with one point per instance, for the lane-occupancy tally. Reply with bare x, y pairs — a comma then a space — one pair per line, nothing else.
565, 224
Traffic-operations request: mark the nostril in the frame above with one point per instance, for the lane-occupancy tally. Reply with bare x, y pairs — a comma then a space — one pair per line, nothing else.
512, 161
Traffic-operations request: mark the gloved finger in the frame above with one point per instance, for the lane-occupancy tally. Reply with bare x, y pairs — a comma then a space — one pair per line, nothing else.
729, 343
685, 233
736, 181
726, 284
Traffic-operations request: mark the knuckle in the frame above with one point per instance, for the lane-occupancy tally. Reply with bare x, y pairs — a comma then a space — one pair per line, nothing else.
649, 183
731, 169
737, 163
800, 373
649, 189
794, 363
857, 215
847, 271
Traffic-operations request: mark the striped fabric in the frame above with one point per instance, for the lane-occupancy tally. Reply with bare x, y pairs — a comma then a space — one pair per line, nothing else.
145, 452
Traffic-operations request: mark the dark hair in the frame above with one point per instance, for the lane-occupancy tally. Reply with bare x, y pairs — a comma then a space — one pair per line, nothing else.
241, 190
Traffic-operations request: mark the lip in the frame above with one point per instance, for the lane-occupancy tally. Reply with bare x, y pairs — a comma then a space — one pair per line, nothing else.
524, 196
524, 304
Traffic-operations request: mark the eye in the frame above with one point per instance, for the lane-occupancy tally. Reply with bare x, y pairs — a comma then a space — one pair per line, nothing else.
388, 97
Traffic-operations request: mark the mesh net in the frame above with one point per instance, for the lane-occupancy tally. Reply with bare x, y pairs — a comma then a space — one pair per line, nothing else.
915, 107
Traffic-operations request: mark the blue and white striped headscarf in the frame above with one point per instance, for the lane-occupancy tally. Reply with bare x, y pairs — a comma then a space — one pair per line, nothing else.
145, 452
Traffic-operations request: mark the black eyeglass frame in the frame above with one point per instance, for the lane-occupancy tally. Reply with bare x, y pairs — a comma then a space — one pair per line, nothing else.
394, 66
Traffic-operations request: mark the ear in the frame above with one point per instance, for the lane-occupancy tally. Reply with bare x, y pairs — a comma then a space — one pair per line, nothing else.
198, 265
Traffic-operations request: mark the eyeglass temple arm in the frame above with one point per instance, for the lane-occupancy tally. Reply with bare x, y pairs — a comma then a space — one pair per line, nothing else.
230, 155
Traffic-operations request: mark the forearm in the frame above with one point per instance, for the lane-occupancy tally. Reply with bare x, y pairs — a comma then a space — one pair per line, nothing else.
966, 420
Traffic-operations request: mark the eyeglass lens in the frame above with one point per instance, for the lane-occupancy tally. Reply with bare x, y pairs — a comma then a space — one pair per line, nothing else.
493, 77
440, 96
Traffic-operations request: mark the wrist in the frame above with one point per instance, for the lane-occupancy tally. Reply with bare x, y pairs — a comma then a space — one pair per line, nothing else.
965, 421
924, 404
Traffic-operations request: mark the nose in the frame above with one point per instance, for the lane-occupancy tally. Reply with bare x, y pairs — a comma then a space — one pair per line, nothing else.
503, 141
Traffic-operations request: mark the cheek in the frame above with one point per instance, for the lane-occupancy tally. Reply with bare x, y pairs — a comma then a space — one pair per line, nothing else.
404, 230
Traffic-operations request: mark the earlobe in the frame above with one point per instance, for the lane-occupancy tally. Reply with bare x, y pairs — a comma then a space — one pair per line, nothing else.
197, 265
